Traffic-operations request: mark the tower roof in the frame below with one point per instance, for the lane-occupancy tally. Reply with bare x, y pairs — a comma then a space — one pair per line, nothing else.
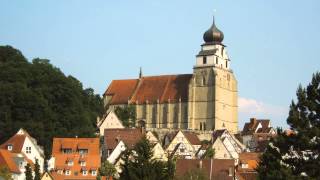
213, 34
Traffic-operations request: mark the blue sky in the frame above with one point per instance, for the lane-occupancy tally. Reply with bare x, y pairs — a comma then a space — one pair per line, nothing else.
273, 45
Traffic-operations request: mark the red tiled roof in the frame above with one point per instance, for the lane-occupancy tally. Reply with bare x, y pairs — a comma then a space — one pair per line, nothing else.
92, 158
220, 167
7, 159
247, 175
250, 158
121, 90
251, 127
192, 138
129, 137
150, 89
16, 141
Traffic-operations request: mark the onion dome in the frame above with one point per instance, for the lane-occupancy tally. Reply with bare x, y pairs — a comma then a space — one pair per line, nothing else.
213, 34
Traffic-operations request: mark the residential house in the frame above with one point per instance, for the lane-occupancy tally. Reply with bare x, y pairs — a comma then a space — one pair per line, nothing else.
257, 133
47, 176
22, 143
219, 169
226, 146
182, 144
248, 162
75, 158
151, 137
109, 121
15, 162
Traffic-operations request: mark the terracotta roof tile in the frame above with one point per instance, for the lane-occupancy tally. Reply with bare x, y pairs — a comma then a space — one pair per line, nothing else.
129, 137
7, 159
121, 90
150, 89
251, 127
92, 158
250, 158
16, 141
192, 138
220, 167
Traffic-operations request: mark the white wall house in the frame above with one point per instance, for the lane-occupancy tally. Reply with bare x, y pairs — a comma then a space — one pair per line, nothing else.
110, 121
22, 143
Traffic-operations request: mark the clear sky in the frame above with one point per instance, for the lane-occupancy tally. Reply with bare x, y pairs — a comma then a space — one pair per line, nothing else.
273, 45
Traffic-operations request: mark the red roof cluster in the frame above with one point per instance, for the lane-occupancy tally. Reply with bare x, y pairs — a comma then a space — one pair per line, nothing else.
253, 126
150, 89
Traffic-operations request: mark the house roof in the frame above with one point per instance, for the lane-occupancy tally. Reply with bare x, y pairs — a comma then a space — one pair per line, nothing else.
121, 90
251, 127
16, 141
220, 167
192, 138
7, 159
217, 133
129, 137
250, 158
92, 157
247, 175
150, 89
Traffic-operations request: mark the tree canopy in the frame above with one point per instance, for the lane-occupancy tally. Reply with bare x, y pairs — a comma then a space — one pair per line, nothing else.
139, 165
296, 155
38, 97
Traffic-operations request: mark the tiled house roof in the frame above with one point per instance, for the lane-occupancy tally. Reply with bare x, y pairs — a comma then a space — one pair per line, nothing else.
16, 141
150, 89
253, 126
129, 137
7, 159
192, 138
250, 158
220, 167
91, 157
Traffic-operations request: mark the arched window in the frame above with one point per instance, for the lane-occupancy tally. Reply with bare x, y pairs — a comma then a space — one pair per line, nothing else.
200, 126
226, 64
204, 126
204, 60
217, 60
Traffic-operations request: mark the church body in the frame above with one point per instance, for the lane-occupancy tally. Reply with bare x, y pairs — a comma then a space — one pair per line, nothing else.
204, 100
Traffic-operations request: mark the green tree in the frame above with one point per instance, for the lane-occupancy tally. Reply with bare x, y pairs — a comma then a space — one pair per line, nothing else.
209, 153
5, 173
28, 172
296, 156
107, 169
139, 165
37, 175
38, 97
127, 115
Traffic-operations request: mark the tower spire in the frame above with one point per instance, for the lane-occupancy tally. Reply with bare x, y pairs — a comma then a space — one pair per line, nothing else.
140, 73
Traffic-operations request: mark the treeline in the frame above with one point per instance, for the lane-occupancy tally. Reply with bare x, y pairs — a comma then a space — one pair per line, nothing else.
38, 97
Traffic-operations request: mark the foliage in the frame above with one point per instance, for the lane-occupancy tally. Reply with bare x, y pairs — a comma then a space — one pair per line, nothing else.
28, 172
297, 156
38, 97
139, 165
127, 115
5, 173
209, 153
107, 169
37, 175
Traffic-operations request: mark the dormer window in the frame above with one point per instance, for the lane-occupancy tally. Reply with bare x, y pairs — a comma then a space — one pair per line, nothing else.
67, 151
94, 172
68, 172
10, 147
82, 163
244, 165
83, 151
84, 172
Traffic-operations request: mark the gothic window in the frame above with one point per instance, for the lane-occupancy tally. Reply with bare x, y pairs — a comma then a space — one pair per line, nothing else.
204, 126
226, 64
200, 126
216, 60
175, 113
204, 60
154, 115
164, 116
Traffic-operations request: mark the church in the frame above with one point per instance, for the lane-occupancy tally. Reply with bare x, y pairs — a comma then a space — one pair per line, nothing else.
205, 100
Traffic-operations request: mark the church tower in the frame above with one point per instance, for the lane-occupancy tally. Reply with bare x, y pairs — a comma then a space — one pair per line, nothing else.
213, 94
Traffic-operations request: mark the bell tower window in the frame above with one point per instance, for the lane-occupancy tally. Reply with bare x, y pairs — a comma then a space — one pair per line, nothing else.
204, 60
226, 64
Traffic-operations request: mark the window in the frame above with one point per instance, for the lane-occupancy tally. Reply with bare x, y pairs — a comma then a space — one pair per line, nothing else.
68, 172
70, 163
244, 165
204, 126
28, 150
93, 172
226, 64
84, 172
182, 150
59, 171
82, 163
83, 151
9, 147
217, 60
204, 60
200, 126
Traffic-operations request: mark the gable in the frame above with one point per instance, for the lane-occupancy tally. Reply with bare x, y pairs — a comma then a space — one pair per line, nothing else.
111, 121
221, 151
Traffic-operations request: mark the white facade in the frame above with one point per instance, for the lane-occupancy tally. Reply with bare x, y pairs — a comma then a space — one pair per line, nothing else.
111, 121
180, 146
116, 152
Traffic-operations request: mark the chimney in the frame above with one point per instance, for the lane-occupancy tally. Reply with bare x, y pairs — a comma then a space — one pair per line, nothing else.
253, 120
